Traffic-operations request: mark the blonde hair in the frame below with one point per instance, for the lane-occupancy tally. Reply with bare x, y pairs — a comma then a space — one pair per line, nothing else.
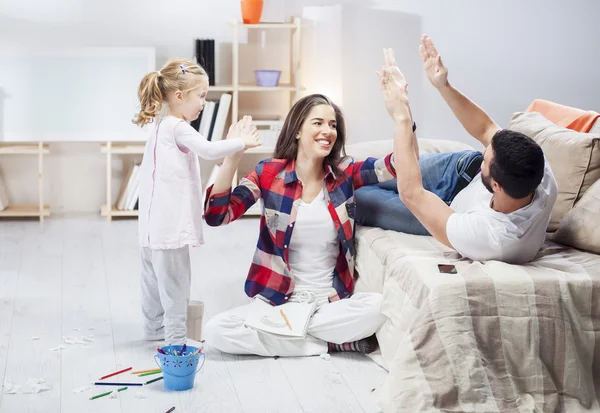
176, 74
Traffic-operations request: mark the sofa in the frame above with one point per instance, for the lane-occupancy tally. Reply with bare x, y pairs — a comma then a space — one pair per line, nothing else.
494, 337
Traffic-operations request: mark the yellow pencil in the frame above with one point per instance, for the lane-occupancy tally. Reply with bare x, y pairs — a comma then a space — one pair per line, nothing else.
285, 318
144, 371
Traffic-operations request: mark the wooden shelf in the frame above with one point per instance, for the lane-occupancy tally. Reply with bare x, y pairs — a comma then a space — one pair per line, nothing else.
226, 88
124, 148
267, 25
114, 212
25, 211
280, 88
22, 149
38, 149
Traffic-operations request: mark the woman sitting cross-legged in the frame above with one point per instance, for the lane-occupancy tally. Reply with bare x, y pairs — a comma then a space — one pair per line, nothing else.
306, 239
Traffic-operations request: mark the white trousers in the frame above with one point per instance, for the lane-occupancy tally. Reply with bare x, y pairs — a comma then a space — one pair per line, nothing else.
338, 322
165, 288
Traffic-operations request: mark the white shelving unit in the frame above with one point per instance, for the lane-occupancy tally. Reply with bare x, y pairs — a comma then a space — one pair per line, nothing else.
136, 148
294, 88
110, 149
40, 210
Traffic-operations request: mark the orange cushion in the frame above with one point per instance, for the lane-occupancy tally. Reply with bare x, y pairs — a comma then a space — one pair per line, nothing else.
565, 116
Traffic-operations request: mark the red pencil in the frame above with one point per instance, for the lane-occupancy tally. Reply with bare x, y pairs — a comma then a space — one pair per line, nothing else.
115, 373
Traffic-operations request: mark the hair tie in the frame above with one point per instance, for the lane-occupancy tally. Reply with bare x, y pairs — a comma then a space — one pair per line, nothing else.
158, 73
183, 69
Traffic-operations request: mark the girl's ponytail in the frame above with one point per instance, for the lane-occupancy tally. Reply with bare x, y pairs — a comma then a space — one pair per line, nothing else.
150, 98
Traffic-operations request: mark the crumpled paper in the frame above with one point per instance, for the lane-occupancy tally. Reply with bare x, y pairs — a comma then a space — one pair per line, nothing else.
79, 340
36, 385
325, 356
10, 388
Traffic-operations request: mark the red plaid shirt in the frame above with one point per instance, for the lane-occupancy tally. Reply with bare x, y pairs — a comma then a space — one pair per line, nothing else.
276, 182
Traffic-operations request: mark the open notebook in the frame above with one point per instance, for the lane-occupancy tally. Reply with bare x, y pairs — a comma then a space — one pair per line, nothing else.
269, 319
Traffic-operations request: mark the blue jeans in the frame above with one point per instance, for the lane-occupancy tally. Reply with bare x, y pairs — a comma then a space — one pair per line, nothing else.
444, 174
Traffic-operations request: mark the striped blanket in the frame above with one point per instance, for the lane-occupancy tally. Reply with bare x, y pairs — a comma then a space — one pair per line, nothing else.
493, 338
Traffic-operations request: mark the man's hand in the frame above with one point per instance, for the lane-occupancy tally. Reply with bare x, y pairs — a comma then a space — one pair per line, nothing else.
394, 87
436, 71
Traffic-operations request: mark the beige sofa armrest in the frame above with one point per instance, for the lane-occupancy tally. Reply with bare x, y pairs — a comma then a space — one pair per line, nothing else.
379, 149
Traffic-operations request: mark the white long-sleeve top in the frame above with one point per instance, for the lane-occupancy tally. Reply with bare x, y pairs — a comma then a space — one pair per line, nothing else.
170, 204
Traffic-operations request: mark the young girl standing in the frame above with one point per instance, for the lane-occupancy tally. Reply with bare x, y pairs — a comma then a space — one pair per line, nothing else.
170, 204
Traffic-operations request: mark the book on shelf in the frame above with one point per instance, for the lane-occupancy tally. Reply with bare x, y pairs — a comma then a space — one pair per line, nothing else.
204, 51
221, 118
130, 190
207, 115
3, 195
212, 120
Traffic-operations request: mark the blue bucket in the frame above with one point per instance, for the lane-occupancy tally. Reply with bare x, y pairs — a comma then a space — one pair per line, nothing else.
179, 372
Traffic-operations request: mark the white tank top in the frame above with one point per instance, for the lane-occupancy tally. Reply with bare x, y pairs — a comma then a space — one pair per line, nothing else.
314, 248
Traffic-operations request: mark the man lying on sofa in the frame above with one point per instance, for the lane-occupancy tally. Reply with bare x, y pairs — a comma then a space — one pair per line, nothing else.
490, 206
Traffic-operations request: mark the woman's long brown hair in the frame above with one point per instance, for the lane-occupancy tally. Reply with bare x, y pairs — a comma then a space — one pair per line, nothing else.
287, 144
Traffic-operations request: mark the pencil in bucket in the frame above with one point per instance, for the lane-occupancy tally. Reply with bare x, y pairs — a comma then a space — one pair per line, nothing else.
179, 371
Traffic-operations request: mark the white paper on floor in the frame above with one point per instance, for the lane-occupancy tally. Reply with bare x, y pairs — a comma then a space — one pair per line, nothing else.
61, 347
35, 385
79, 340
80, 389
325, 356
10, 388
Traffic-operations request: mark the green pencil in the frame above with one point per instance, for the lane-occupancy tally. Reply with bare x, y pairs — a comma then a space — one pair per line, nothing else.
153, 380
150, 373
107, 393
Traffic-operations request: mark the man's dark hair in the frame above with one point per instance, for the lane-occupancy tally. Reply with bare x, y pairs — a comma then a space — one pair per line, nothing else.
518, 163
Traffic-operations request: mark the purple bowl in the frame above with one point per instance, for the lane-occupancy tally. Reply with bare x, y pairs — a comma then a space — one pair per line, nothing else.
268, 78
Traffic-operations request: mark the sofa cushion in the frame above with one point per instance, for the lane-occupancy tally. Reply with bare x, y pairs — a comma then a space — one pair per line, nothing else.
574, 158
580, 228
379, 149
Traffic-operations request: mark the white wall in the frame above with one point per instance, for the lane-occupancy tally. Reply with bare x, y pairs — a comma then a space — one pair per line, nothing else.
505, 53
75, 172
501, 53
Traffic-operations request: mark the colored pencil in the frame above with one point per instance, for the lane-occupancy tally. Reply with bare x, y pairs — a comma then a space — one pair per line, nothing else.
150, 373
170, 410
115, 373
153, 380
104, 383
183, 349
285, 318
144, 371
107, 393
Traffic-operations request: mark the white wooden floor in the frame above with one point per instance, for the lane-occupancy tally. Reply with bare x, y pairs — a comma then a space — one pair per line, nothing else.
78, 276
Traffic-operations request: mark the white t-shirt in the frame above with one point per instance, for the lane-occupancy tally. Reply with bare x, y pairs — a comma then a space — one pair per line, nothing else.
478, 232
314, 248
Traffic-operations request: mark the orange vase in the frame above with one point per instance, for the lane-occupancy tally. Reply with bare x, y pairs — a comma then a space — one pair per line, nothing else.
251, 11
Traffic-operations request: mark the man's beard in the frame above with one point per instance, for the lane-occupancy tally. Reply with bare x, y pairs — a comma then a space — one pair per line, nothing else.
486, 182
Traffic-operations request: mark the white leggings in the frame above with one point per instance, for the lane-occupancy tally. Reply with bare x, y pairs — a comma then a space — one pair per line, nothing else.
338, 322
165, 288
